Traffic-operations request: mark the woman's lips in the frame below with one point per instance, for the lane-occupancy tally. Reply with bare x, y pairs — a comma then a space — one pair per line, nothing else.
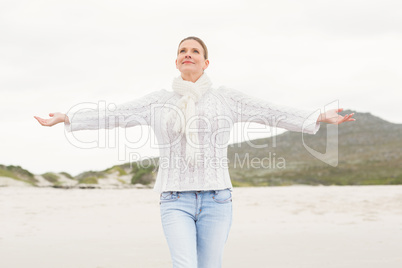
187, 62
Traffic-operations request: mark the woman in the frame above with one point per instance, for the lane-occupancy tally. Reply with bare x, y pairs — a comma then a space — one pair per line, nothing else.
193, 124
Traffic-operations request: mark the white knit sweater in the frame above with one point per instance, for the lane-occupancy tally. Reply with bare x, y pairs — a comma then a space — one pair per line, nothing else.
217, 111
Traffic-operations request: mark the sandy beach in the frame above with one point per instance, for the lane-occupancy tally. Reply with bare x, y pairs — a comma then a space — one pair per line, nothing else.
281, 227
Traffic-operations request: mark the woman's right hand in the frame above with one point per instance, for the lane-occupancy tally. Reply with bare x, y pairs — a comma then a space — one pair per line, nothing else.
55, 119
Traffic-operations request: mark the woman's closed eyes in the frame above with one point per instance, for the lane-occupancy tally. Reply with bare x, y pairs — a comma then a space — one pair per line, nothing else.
184, 51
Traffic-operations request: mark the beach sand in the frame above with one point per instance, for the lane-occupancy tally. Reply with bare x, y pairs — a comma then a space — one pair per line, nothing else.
297, 226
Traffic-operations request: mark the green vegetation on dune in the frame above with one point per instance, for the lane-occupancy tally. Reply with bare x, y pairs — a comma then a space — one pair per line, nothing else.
67, 175
51, 177
88, 180
118, 169
142, 175
90, 176
7, 173
18, 173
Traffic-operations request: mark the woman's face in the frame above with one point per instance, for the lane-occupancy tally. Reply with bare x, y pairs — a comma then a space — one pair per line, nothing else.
190, 60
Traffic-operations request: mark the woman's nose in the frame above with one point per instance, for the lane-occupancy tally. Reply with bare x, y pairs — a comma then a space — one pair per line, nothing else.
188, 56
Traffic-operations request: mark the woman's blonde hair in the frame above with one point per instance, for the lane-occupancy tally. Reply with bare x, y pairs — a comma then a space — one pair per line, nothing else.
204, 47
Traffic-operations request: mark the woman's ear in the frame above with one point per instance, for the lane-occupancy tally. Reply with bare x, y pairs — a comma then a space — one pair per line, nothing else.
206, 64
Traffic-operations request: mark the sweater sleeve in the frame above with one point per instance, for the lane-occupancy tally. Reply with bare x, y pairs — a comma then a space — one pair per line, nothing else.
245, 108
90, 116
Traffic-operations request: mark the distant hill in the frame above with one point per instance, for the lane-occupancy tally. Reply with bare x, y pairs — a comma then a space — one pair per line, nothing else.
369, 153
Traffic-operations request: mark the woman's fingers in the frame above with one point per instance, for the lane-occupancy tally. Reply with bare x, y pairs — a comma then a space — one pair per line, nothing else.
332, 117
42, 121
348, 118
37, 118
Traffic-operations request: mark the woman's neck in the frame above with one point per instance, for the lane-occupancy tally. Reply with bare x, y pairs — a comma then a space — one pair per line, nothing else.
192, 77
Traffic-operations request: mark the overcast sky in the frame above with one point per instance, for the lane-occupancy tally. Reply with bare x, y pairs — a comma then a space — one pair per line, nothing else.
306, 54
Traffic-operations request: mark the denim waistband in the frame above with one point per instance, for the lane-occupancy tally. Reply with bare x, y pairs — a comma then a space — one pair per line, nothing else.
215, 191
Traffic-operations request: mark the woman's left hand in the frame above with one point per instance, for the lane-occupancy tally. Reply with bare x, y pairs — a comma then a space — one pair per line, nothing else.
332, 117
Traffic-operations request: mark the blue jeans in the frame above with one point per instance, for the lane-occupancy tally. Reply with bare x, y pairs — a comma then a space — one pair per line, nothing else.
196, 226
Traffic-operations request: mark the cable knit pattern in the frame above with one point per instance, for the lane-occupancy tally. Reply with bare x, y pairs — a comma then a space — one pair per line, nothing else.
216, 112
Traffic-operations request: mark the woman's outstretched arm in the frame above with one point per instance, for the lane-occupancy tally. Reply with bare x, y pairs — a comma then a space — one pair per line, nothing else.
249, 109
54, 119
128, 114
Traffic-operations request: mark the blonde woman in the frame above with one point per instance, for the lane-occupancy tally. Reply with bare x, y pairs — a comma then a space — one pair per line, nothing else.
192, 123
